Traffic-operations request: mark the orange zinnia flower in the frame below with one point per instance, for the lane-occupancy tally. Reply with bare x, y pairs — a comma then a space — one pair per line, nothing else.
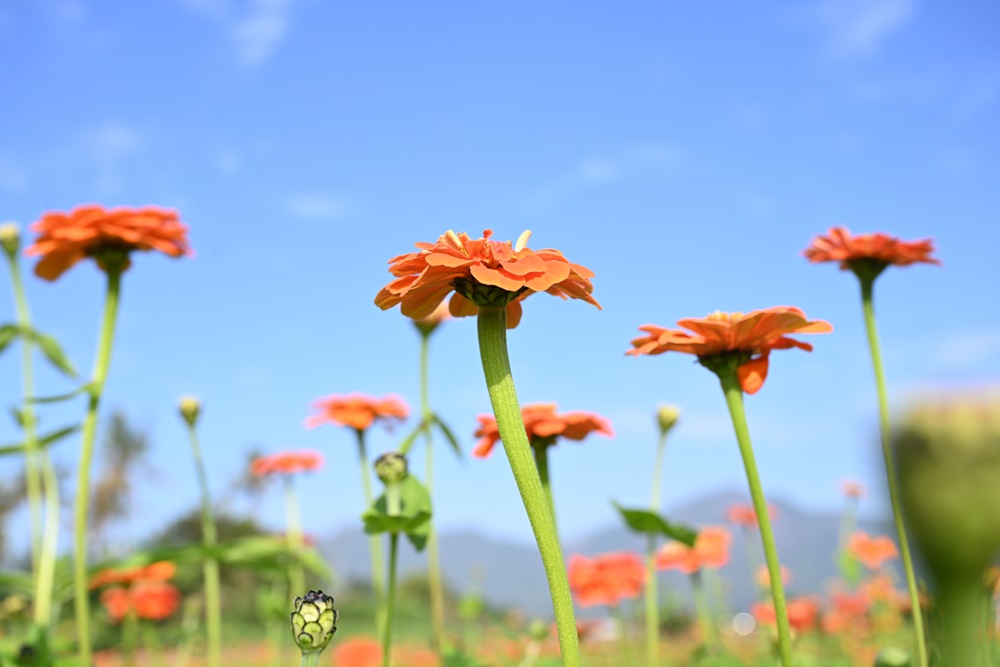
116, 602
481, 272
162, 570
802, 613
722, 336
710, 550
155, 600
744, 515
357, 411
878, 249
89, 231
286, 463
606, 579
852, 489
543, 426
872, 551
358, 652
763, 576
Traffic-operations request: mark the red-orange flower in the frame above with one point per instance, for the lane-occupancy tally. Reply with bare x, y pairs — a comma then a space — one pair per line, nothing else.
763, 576
710, 550
286, 463
744, 515
87, 231
606, 579
543, 425
357, 411
839, 245
117, 602
428, 324
159, 571
802, 613
155, 600
852, 489
872, 551
358, 652
749, 338
480, 272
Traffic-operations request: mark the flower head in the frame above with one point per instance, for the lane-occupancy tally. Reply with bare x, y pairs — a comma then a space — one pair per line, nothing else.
10, 238
606, 579
868, 252
427, 325
481, 272
852, 489
155, 600
745, 516
357, 411
802, 613
872, 551
763, 576
391, 468
314, 621
710, 551
190, 409
108, 235
666, 417
286, 463
544, 426
721, 337
358, 652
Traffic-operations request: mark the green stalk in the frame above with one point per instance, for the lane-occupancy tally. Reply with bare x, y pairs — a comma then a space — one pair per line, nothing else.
130, 637
705, 620
82, 504
393, 505
652, 593
492, 325
734, 399
433, 551
310, 659
867, 284
374, 543
293, 524
960, 601
619, 611
541, 453
210, 568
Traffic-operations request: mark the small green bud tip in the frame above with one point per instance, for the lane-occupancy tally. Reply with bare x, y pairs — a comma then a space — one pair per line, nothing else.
190, 408
893, 657
538, 630
391, 468
313, 622
667, 417
10, 237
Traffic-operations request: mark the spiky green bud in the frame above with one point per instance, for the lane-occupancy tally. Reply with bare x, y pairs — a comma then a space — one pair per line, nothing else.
391, 468
313, 622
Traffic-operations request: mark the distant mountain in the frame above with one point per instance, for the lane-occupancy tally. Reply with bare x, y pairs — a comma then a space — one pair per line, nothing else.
806, 543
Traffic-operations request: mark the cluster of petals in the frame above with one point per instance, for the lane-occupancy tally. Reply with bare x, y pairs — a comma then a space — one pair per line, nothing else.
752, 334
162, 570
710, 551
150, 600
425, 278
744, 515
66, 238
357, 411
286, 463
358, 652
839, 245
541, 421
849, 611
803, 613
606, 579
873, 552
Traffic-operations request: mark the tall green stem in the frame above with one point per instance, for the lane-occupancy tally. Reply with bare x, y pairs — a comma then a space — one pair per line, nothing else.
626, 640
81, 509
652, 592
210, 568
734, 399
393, 505
433, 550
961, 601
374, 543
492, 325
293, 518
310, 659
705, 619
867, 285
541, 453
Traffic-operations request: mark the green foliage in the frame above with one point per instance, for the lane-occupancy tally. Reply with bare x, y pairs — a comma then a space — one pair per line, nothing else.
43, 441
650, 523
50, 347
414, 516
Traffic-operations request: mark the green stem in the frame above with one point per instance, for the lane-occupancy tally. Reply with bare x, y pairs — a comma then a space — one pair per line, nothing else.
492, 325
82, 505
50, 544
867, 284
130, 637
734, 399
374, 543
433, 551
961, 602
293, 518
652, 593
210, 568
390, 600
626, 641
705, 620
541, 453
310, 659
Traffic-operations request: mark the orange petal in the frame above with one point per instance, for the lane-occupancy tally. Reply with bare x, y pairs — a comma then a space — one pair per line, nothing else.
752, 374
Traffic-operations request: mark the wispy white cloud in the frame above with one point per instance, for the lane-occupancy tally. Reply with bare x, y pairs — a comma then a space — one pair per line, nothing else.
857, 28
963, 350
318, 207
255, 28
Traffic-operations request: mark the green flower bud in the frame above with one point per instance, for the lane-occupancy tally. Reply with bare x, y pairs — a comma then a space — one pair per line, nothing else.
892, 657
313, 622
10, 238
666, 417
391, 468
190, 408
538, 630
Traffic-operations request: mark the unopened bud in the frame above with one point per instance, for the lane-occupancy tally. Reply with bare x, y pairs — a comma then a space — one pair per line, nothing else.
666, 417
893, 657
10, 238
190, 408
538, 630
313, 622
391, 468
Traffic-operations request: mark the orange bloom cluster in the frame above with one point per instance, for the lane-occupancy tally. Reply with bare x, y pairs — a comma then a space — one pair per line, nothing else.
802, 613
710, 550
358, 652
606, 579
849, 610
839, 245
159, 571
543, 425
744, 515
66, 238
480, 272
286, 463
143, 590
357, 411
872, 551
751, 336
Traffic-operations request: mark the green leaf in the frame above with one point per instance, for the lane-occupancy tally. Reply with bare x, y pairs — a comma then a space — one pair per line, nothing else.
413, 518
84, 388
43, 441
448, 435
410, 438
51, 348
377, 522
651, 523
8, 333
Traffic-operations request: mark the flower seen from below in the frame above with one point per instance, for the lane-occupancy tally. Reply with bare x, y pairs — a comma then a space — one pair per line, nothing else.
544, 426
286, 463
743, 515
877, 250
480, 272
710, 551
748, 339
606, 579
358, 652
357, 411
872, 551
802, 613
93, 230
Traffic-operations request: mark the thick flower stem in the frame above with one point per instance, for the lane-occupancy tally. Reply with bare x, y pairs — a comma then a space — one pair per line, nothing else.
734, 399
374, 543
541, 453
433, 551
293, 518
310, 659
496, 368
652, 594
210, 568
867, 284
961, 601
390, 601
82, 503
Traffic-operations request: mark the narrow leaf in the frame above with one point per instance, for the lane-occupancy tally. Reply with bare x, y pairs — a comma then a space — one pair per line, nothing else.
43, 441
85, 388
448, 435
410, 438
651, 523
8, 332
51, 348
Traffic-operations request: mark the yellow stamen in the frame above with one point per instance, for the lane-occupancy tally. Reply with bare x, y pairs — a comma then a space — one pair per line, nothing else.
522, 240
453, 237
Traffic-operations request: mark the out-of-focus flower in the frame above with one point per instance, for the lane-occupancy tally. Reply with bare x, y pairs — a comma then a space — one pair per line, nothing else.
190, 409
163, 570
95, 231
763, 577
117, 602
666, 417
286, 463
710, 551
802, 613
743, 515
852, 489
391, 468
879, 589
721, 336
357, 411
427, 325
873, 552
839, 245
10, 238
544, 426
481, 272
606, 579
358, 652
314, 621
155, 600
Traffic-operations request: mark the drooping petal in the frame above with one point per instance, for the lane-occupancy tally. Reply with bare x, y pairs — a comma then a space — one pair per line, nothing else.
752, 374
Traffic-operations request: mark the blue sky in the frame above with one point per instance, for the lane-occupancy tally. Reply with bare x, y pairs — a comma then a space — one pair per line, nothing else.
685, 153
